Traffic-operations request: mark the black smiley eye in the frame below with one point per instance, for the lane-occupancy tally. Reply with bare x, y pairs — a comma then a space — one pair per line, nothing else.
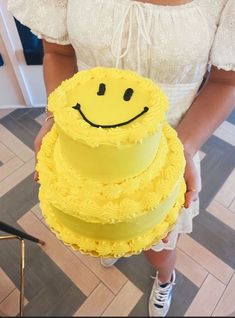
102, 89
128, 94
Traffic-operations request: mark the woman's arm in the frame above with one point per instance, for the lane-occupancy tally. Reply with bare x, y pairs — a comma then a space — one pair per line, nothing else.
212, 106
59, 63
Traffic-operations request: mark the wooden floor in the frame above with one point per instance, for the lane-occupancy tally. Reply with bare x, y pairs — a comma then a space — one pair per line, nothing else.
61, 282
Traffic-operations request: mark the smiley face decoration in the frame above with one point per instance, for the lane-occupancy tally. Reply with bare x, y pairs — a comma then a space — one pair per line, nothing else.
126, 97
111, 169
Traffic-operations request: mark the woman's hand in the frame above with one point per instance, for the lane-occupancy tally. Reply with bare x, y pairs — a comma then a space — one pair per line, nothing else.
192, 181
192, 185
46, 127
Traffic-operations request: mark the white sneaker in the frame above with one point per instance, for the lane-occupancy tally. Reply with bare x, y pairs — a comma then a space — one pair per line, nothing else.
160, 298
108, 262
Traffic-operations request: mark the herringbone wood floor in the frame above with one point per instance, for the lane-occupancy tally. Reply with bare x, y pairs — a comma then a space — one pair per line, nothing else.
60, 281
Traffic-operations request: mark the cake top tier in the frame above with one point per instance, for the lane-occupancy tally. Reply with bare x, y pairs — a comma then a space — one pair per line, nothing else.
108, 106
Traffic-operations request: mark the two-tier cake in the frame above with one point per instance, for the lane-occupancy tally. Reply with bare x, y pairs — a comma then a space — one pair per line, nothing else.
111, 169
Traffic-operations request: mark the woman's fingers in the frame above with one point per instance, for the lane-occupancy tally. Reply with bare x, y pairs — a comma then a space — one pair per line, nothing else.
37, 145
46, 127
192, 181
191, 194
166, 239
192, 184
190, 197
35, 177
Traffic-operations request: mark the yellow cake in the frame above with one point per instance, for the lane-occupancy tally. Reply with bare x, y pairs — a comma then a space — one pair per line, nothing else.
111, 169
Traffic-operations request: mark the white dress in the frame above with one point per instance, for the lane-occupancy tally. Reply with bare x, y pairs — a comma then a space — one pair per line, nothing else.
172, 45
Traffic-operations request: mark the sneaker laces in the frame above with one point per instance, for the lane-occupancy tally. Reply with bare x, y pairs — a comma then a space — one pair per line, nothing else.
161, 292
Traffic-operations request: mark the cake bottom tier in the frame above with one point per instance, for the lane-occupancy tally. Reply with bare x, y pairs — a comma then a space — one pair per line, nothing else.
98, 241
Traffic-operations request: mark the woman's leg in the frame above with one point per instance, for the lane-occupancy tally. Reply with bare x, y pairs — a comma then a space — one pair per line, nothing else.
161, 294
163, 262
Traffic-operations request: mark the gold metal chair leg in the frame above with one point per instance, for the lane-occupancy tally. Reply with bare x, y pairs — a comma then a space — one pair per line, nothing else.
18, 234
22, 266
22, 277
22, 262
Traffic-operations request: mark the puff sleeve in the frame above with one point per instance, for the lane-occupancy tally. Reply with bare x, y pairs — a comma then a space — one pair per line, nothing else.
222, 54
46, 19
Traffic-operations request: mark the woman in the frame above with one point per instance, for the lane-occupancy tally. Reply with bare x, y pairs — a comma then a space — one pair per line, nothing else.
173, 42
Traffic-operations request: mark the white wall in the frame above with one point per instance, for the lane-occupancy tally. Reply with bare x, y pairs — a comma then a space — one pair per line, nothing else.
10, 92
21, 85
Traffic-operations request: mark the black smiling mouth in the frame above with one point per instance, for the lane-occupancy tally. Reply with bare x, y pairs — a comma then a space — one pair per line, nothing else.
78, 107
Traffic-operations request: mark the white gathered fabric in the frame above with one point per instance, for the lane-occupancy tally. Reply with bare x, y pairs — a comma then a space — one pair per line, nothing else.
223, 49
134, 9
172, 45
46, 19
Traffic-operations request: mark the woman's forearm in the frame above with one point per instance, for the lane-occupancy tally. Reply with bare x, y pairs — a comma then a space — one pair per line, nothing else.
208, 111
57, 68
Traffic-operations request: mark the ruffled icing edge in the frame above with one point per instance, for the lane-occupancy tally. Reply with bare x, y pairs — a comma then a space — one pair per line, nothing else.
109, 248
92, 136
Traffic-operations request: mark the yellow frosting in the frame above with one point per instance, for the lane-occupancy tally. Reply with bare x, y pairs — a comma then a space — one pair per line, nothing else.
113, 248
111, 169
89, 161
101, 203
108, 109
109, 191
119, 230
